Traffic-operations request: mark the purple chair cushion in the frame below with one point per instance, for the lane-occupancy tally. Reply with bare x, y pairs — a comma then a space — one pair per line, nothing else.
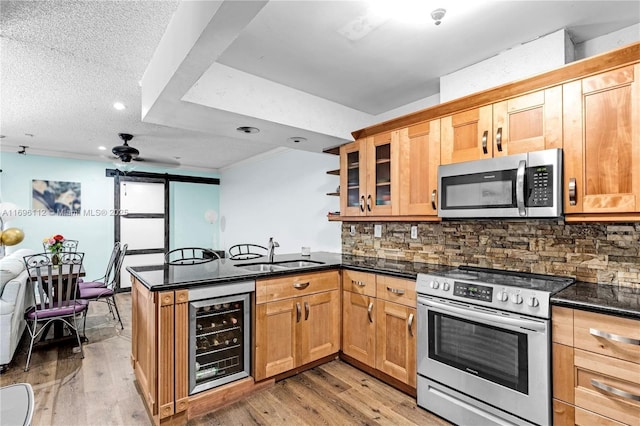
55, 311
94, 293
91, 284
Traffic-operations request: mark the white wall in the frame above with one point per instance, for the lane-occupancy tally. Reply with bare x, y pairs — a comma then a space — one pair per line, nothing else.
543, 54
281, 194
608, 42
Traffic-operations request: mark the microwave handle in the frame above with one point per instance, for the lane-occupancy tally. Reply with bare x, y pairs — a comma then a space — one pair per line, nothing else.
485, 136
520, 188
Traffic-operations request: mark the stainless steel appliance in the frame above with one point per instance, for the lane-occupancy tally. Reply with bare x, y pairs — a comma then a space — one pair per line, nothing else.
484, 345
219, 335
521, 185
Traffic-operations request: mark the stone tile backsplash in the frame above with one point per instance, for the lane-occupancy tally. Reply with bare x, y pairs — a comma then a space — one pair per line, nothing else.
606, 253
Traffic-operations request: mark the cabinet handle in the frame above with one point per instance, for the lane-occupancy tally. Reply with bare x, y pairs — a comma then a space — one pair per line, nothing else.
614, 337
362, 203
573, 192
358, 283
433, 199
614, 391
499, 139
306, 311
395, 290
300, 286
485, 136
410, 325
369, 309
369, 202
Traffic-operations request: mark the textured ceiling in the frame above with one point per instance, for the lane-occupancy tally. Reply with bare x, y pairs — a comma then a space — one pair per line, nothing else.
64, 63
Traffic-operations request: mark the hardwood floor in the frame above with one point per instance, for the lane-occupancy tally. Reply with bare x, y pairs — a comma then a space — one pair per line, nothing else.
100, 389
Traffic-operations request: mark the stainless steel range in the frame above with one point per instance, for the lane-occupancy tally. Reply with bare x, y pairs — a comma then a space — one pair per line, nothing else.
484, 345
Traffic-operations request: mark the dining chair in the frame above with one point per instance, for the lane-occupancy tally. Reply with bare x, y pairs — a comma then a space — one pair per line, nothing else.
247, 251
103, 280
107, 293
67, 246
55, 289
190, 256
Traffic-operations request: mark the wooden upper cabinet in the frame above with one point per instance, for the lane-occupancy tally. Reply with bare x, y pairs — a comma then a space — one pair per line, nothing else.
531, 122
602, 142
467, 136
353, 178
382, 175
419, 148
369, 177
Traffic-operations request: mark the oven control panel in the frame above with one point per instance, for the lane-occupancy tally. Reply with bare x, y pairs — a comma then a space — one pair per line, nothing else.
473, 291
507, 298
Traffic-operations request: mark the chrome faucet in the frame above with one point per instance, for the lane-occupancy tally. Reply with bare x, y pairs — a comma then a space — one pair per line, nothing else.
271, 246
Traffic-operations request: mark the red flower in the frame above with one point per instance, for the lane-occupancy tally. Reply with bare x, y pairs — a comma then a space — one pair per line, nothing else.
58, 237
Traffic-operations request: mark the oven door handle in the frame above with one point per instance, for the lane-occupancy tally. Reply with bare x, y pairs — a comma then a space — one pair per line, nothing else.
480, 316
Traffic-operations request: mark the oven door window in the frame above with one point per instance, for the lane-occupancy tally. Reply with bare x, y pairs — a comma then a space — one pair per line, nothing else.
483, 350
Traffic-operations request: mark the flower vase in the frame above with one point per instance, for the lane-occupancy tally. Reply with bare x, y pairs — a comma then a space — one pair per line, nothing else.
55, 260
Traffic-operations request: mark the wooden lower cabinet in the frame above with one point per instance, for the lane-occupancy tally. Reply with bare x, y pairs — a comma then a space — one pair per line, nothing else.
296, 331
396, 341
275, 338
380, 333
596, 368
358, 327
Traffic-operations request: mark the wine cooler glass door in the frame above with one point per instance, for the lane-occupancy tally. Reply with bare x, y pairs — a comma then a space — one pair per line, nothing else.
219, 341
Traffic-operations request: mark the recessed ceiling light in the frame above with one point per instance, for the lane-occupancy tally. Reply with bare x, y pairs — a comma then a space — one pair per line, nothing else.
247, 129
119, 106
102, 148
297, 139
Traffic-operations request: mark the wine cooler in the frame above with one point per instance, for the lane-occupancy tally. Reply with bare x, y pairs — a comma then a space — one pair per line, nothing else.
219, 337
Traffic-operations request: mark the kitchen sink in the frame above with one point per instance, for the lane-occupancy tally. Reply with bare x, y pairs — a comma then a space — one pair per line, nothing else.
299, 263
278, 266
262, 267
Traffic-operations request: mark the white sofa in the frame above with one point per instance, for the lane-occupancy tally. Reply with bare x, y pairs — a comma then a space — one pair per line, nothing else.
14, 299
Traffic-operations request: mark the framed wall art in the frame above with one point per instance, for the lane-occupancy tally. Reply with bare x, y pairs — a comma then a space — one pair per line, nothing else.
56, 197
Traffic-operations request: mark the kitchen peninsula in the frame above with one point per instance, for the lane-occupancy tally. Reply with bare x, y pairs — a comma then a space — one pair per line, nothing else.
161, 295
332, 290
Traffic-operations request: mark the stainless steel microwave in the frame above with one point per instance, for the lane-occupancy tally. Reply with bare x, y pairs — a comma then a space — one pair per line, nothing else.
514, 186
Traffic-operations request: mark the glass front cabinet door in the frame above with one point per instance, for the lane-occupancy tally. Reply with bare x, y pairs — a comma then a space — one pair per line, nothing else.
368, 170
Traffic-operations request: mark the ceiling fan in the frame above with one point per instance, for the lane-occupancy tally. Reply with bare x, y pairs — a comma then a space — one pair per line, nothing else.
126, 153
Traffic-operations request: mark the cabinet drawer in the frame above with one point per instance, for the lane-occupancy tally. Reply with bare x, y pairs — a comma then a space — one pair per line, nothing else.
397, 290
607, 335
359, 282
587, 418
289, 286
607, 386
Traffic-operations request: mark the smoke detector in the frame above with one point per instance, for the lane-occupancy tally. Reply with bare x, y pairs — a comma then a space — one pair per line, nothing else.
437, 15
248, 129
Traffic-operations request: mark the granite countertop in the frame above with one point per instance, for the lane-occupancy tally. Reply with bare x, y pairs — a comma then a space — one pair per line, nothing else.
606, 299
171, 277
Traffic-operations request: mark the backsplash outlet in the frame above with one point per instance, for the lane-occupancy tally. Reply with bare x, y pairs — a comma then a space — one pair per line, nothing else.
607, 253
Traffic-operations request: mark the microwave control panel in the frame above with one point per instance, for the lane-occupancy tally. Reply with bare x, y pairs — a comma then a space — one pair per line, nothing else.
540, 186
